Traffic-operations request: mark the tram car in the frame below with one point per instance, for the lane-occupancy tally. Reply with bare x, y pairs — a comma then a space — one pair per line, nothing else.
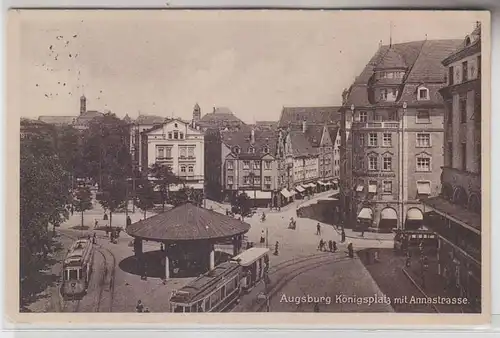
218, 289
77, 268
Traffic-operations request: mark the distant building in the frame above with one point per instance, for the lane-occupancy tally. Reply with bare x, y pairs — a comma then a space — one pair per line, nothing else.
80, 122
176, 144
292, 117
266, 125
221, 118
392, 131
142, 123
455, 215
31, 127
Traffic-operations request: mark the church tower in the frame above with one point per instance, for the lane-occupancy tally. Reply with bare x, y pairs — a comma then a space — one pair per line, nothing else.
196, 113
83, 104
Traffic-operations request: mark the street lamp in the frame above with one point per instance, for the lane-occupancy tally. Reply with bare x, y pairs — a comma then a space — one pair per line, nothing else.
401, 155
351, 210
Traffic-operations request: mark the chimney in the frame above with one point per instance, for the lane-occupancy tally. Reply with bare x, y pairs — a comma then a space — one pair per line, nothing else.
83, 104
252, 136
304, 126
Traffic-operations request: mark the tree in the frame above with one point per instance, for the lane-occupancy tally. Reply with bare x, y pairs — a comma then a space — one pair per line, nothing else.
113, 195
106, 148
242, 204
164, 178
145, 195
82, 200
45, 197
185, 195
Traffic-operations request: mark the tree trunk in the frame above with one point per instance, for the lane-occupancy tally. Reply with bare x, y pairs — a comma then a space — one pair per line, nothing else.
110, 219
82, 219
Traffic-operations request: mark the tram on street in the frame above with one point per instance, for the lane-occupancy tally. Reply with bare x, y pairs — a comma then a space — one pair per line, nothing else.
77, 268
408, 239
218, 289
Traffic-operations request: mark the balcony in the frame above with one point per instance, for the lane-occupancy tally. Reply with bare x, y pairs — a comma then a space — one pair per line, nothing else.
164, 159
187, 158
376, 125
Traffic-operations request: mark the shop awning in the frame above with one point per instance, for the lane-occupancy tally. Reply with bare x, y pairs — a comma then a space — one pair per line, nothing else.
286, 193
259, 195
366, 213
414, 215
195, 185
460, 215
372, 188
424, 188
388, 213
359, 188
311, 185
322, 183
300, 189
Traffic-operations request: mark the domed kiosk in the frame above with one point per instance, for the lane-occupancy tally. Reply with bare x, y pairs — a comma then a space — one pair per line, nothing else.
189, 234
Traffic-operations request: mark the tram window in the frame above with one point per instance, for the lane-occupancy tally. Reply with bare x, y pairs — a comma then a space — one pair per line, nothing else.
194, 308
223, 292
73, 274
207, 304
187, 309
178, 308
199, 305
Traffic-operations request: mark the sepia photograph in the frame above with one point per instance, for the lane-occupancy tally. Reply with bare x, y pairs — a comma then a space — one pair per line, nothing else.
245, 161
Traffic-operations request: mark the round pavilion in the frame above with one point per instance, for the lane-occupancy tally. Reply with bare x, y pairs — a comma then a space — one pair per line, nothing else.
188, 233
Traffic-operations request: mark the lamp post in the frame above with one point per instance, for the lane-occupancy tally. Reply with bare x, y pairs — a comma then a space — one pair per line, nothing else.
402, 168
351, 183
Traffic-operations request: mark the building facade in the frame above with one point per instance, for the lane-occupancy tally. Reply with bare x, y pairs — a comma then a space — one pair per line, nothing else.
393, 115
455, 215
137, 126
250, 166
177, 145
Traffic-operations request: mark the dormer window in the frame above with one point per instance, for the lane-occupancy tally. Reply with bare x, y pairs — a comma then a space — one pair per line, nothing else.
423, 93
266, 149
176, 126
236, 150
251, 150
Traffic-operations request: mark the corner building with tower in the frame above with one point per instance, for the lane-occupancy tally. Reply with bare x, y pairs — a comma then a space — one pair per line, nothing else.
392, 133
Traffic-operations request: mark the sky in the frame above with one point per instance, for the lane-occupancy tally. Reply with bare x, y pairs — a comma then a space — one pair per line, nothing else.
164, 62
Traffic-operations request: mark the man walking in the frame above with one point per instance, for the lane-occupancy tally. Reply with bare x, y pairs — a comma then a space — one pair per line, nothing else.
262, 237
342, 235
330, 245
318, 229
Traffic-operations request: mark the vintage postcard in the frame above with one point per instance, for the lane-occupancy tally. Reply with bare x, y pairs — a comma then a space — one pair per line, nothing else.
327, 167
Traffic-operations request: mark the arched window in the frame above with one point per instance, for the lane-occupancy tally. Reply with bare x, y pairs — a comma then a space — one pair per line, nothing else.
460, 197
183, 169
190, 169
251, 150
266, 149
181, 136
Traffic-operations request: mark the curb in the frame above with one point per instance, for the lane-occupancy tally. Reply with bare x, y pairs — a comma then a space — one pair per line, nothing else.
407, 274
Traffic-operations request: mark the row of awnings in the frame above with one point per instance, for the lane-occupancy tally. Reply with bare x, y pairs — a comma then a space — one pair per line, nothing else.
423, 188
413, 214
286, 193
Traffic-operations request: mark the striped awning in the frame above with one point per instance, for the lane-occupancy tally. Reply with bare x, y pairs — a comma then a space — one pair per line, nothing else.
299, 188
366, 213
322, 183
414, 214
311, 185
286, 193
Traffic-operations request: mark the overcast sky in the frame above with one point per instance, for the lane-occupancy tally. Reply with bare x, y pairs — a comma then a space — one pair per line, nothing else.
163, 62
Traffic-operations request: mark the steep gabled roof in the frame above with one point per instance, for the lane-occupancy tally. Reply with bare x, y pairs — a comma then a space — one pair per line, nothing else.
314, 134
242, 140
301, 145
313, 115
391, 60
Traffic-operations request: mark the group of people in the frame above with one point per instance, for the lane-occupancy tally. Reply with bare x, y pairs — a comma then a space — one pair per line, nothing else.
140, 307
332, 245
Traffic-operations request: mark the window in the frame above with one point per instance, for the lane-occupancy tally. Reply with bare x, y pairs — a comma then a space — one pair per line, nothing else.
230, 180
267, 182
182, 151
465, 70
423, 94
176, 125
393, 115
256, 165
256, 180
387, 187
236, 150
181, 136
362, 140
387, 165
170, 135
267, 165
266, 149
424, 188
390, 75
373, 163
176, 135
230, 165
462, 103
251, 150
387, 140
363, 116
246, 180
190, 152
423, 164
183, 169
463, 157
246, 164
423, 116
190, 169
372, 140
372, 187
161, 152
423, 140
383, 94
450, 76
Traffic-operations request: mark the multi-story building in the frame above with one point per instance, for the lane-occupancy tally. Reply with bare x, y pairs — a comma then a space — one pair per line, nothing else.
176, 144
301, 164
140, 124
393, 115
250, 165
455, 215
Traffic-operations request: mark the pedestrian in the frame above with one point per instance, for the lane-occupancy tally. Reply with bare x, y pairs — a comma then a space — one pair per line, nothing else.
350, 250
129, 221
139, 307
330, 245
342, 235
105, 217
408, 261
162, 248
334, 246
276, 247
321, 245
262, 237
362, 230
94, 239
318, 229
96, 223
